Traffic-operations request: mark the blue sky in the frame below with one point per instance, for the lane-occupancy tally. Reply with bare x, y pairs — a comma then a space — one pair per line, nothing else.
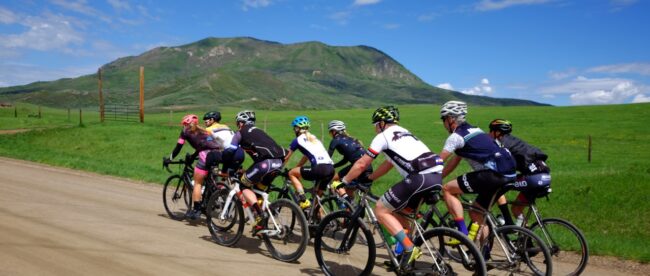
562, 52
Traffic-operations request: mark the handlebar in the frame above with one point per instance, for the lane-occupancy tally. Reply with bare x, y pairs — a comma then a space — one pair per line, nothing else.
187, 161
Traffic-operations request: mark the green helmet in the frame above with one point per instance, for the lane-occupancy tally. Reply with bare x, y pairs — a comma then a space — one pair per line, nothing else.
388, 114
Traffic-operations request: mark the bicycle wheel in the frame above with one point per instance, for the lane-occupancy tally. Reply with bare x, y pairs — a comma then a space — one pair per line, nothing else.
528, 254
176, 197
287, 234
437, 254
226, 230
344, 254
566, 243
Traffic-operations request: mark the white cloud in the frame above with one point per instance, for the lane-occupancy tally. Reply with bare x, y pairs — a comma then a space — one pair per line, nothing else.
482, 89
46, 32
562, 75
365, 2
445, 85
341, 17
255, 4
584, 90
120, 5
641, 98
492, 5
632, 68
7, 16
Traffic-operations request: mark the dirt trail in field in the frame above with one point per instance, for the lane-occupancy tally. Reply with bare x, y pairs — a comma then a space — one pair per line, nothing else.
56, 221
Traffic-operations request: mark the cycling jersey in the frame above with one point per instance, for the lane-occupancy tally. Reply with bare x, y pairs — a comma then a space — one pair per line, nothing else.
199, 140
348, 147
259, 145
527, 157
406, 152
480, 150
312, 148
221, 133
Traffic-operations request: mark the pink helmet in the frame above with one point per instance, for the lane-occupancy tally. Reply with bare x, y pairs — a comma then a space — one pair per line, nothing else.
189, 118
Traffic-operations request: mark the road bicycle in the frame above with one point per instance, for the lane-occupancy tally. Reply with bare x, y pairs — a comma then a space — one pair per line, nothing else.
178, 188
284, 228
349, 256
510, 248
566, 242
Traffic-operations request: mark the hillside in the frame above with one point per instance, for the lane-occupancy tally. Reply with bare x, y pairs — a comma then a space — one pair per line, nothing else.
252, 73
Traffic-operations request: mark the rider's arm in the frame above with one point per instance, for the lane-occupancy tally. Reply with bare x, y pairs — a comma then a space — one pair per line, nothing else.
178, 148
381, 170
451, 164
302, 161
287, 157
357, 168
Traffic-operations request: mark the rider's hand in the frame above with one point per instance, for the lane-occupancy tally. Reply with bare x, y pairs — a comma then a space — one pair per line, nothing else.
166, 160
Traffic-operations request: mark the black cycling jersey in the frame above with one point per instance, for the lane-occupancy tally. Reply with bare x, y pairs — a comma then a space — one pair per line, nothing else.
347, 146
259, 145
525, 155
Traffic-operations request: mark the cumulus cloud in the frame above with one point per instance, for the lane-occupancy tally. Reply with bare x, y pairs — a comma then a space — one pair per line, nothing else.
7, 16
255, 4
482, 89
585, 91
445, 85
46, 32
625, 68
641, 98
365, 2
492, 5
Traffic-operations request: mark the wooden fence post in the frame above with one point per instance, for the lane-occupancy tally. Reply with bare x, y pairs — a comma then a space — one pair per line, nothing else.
68, 114
141, 94
80, 118
101, 96
589, 150
15, 111
39, 111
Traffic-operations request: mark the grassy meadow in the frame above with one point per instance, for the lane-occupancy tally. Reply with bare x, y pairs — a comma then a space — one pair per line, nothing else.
607, 198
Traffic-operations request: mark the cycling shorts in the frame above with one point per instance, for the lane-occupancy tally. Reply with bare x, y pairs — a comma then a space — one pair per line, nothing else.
321, 174
411, 190
201, 167
262, 172
485, 183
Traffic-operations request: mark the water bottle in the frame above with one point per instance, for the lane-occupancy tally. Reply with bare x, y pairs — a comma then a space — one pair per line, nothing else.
473, 230
500, 220
389, 238
520, 220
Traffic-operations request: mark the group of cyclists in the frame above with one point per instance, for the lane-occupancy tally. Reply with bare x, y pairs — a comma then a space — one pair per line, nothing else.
496, 158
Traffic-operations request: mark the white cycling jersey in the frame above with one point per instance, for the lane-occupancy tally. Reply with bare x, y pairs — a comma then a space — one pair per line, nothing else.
311, 147
402, 149
222, 134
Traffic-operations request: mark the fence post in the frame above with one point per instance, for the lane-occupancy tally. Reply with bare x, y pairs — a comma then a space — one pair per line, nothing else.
265, 118
170, 117
68, 114
322, 132
101, 96
39, 111
80, 120
141, 94
589, 150
15, 111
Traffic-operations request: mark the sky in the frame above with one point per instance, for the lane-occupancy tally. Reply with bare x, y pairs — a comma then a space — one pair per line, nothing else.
560, 52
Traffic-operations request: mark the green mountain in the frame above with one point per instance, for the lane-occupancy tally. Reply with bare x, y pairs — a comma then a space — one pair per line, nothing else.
252, 73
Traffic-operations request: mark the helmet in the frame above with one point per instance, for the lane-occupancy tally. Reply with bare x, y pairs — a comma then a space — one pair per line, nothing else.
388, 114
336, 125
246, 117
453, 108
502, 125
215, 115
301, 122
188, 119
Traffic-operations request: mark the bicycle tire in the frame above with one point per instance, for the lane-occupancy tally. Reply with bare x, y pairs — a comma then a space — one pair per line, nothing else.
562, 237
290, 244
227, 231
176, 197
437, 254
347, 257
528, 249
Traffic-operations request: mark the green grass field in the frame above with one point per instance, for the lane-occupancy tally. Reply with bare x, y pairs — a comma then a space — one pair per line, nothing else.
607, 198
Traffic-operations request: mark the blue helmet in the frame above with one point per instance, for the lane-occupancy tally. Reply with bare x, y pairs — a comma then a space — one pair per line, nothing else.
301, 122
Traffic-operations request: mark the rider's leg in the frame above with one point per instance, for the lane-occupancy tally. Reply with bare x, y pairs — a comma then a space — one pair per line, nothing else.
450, 191
393, 225
503, 206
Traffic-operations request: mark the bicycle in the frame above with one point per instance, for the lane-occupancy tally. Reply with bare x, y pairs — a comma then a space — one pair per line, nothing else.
284, 232
507, 247
560, 235
351, 257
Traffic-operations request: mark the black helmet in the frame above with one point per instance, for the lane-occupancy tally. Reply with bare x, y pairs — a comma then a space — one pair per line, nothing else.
502, 125
388, 114
215, 115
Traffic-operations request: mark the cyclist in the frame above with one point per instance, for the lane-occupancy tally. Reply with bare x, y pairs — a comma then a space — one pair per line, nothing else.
201, 140
535, 180
267, 158
351, 149
229, 157
493, 167
321, 170
420, 168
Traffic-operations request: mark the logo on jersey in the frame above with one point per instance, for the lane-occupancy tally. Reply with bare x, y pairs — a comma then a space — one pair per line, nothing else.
399, 135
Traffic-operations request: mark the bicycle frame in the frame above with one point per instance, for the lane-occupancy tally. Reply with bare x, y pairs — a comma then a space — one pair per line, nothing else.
236, 191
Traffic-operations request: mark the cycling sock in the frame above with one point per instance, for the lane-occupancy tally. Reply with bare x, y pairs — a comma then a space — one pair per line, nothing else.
460, 222
404, 240
197, 205
506, 214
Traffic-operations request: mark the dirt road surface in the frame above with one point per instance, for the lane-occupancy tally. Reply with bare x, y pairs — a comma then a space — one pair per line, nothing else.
56, 221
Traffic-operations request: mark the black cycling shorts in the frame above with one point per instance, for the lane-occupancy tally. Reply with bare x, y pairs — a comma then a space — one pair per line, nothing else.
262, 172
485, 183
409, 191
321, 174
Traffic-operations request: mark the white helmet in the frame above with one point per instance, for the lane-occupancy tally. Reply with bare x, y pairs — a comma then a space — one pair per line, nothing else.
246, 117
454, 109
336, 125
